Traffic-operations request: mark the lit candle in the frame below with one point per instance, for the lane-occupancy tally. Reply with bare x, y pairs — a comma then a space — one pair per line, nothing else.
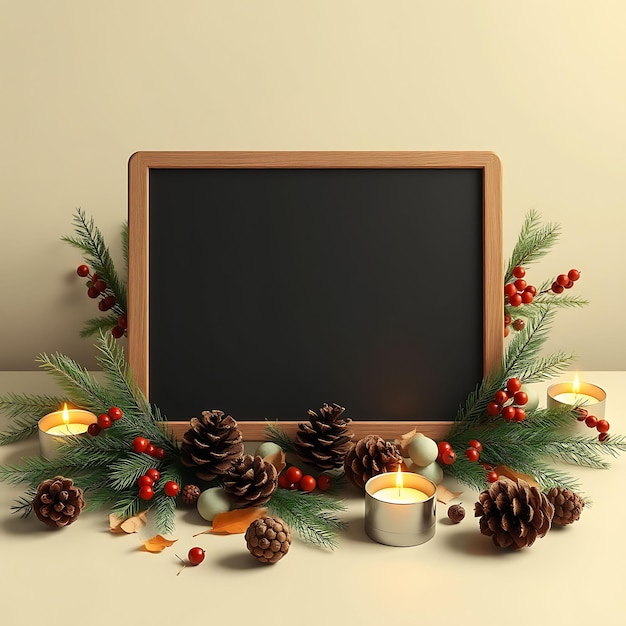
579, 394
400, 508
54, 427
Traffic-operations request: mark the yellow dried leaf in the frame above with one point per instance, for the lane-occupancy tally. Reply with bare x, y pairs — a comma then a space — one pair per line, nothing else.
444, 495
277, 460
503, 470
117, 525
158, 543
236, 521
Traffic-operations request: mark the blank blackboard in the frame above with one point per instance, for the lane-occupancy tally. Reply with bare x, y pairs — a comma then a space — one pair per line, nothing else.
271, 283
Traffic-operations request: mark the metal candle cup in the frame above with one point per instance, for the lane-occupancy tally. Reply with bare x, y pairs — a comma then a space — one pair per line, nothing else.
50, 443
589, 397
400, 524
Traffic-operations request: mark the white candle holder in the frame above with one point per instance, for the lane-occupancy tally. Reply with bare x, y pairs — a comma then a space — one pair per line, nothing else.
589, 397
50, 444
400, 524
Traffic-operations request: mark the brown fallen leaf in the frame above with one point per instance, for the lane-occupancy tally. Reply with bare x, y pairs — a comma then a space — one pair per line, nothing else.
503, 470
404, 440
277, 460
158, 543
118, 525
444, 495
236, 521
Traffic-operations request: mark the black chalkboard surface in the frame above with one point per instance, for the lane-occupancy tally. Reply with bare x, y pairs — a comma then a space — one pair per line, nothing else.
271, 290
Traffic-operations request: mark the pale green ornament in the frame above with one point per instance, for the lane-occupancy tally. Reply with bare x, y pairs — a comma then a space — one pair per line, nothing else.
267, 448
422, 450
533, 397
432, 471
211, 502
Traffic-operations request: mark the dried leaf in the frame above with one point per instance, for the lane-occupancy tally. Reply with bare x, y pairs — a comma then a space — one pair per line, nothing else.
444, 495
158, 543
119, 526
277, 460
236, 521
503, 470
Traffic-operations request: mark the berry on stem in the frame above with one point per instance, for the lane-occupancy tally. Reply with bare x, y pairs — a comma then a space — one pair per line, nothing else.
171, 488
82, 270
195, 556
104, 421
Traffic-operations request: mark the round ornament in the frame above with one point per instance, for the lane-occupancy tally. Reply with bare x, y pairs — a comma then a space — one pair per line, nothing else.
422, 450
533, 398
432, 471
267, 448
211, 502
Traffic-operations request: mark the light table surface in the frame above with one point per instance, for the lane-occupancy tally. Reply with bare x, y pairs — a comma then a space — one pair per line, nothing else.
83, 574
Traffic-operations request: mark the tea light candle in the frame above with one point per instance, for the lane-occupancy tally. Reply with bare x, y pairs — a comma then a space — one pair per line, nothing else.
576, 393
400, 508
54, 427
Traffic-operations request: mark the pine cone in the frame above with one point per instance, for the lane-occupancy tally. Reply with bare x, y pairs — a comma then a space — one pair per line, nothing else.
190, 494
369, 457
513, 514
325, 439
250, 481
58, 502
268, 539
567, 505
211, 445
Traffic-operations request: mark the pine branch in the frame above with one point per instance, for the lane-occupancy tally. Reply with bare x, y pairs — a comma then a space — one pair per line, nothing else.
25, 411
98, 325
23, 506
309, 515
276, 434
545, 368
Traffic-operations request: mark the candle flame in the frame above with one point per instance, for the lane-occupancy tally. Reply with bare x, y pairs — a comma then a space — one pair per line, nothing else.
66, 414
576, 384
399, 484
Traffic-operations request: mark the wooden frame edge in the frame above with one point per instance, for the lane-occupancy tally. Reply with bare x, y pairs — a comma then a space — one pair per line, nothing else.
139, 166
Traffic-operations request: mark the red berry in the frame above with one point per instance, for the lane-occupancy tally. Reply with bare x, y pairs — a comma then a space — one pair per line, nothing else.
492, 476
150, 449
474, 443
501, 396
591, 421
472, 454
520, 415
158, 453
195, 556
93, 429
493, 408
519, 324
507, 331
508, 412
100, 285
520, 284
145, 481
92, 292
146, 492
513, 385
82, 271
603, 426
307, 483
510, 289
603, 436
569, 284
448, 457
109, 302
140, 444
294, 474
562, 279
527, 297
153, 473
283, 481
324, 482
115, 413
507, 319
519, 271
515, 299
117, 331
573, 275
122, 322
520, 397
171, 488
104, 421
556, 288
531, 289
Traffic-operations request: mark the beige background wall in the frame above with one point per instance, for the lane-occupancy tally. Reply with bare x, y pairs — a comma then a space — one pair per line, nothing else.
85, 84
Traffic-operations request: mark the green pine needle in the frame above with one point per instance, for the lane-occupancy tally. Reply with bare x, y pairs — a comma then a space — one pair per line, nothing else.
275, 433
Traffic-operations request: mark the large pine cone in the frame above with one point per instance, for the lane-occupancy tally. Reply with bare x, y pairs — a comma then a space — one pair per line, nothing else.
211, 445
58, 502
369, 457
513, 514
268, 539
324, 441
250, 481
567, 505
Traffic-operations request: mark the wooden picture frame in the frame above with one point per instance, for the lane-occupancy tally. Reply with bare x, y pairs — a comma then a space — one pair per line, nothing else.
142, 163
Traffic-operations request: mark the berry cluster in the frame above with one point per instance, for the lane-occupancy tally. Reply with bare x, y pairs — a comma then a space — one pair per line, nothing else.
147, 482
447, 456
565, 281
105, 420
293, 478
474, 448
601, 425
97, 288
141, 445
508, 402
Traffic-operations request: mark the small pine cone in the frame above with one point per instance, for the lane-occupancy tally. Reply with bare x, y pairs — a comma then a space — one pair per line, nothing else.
58, 502
190, 494
251, 481
325, 439
370, 456
268, 539
211, 445
513, 513
567, 505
